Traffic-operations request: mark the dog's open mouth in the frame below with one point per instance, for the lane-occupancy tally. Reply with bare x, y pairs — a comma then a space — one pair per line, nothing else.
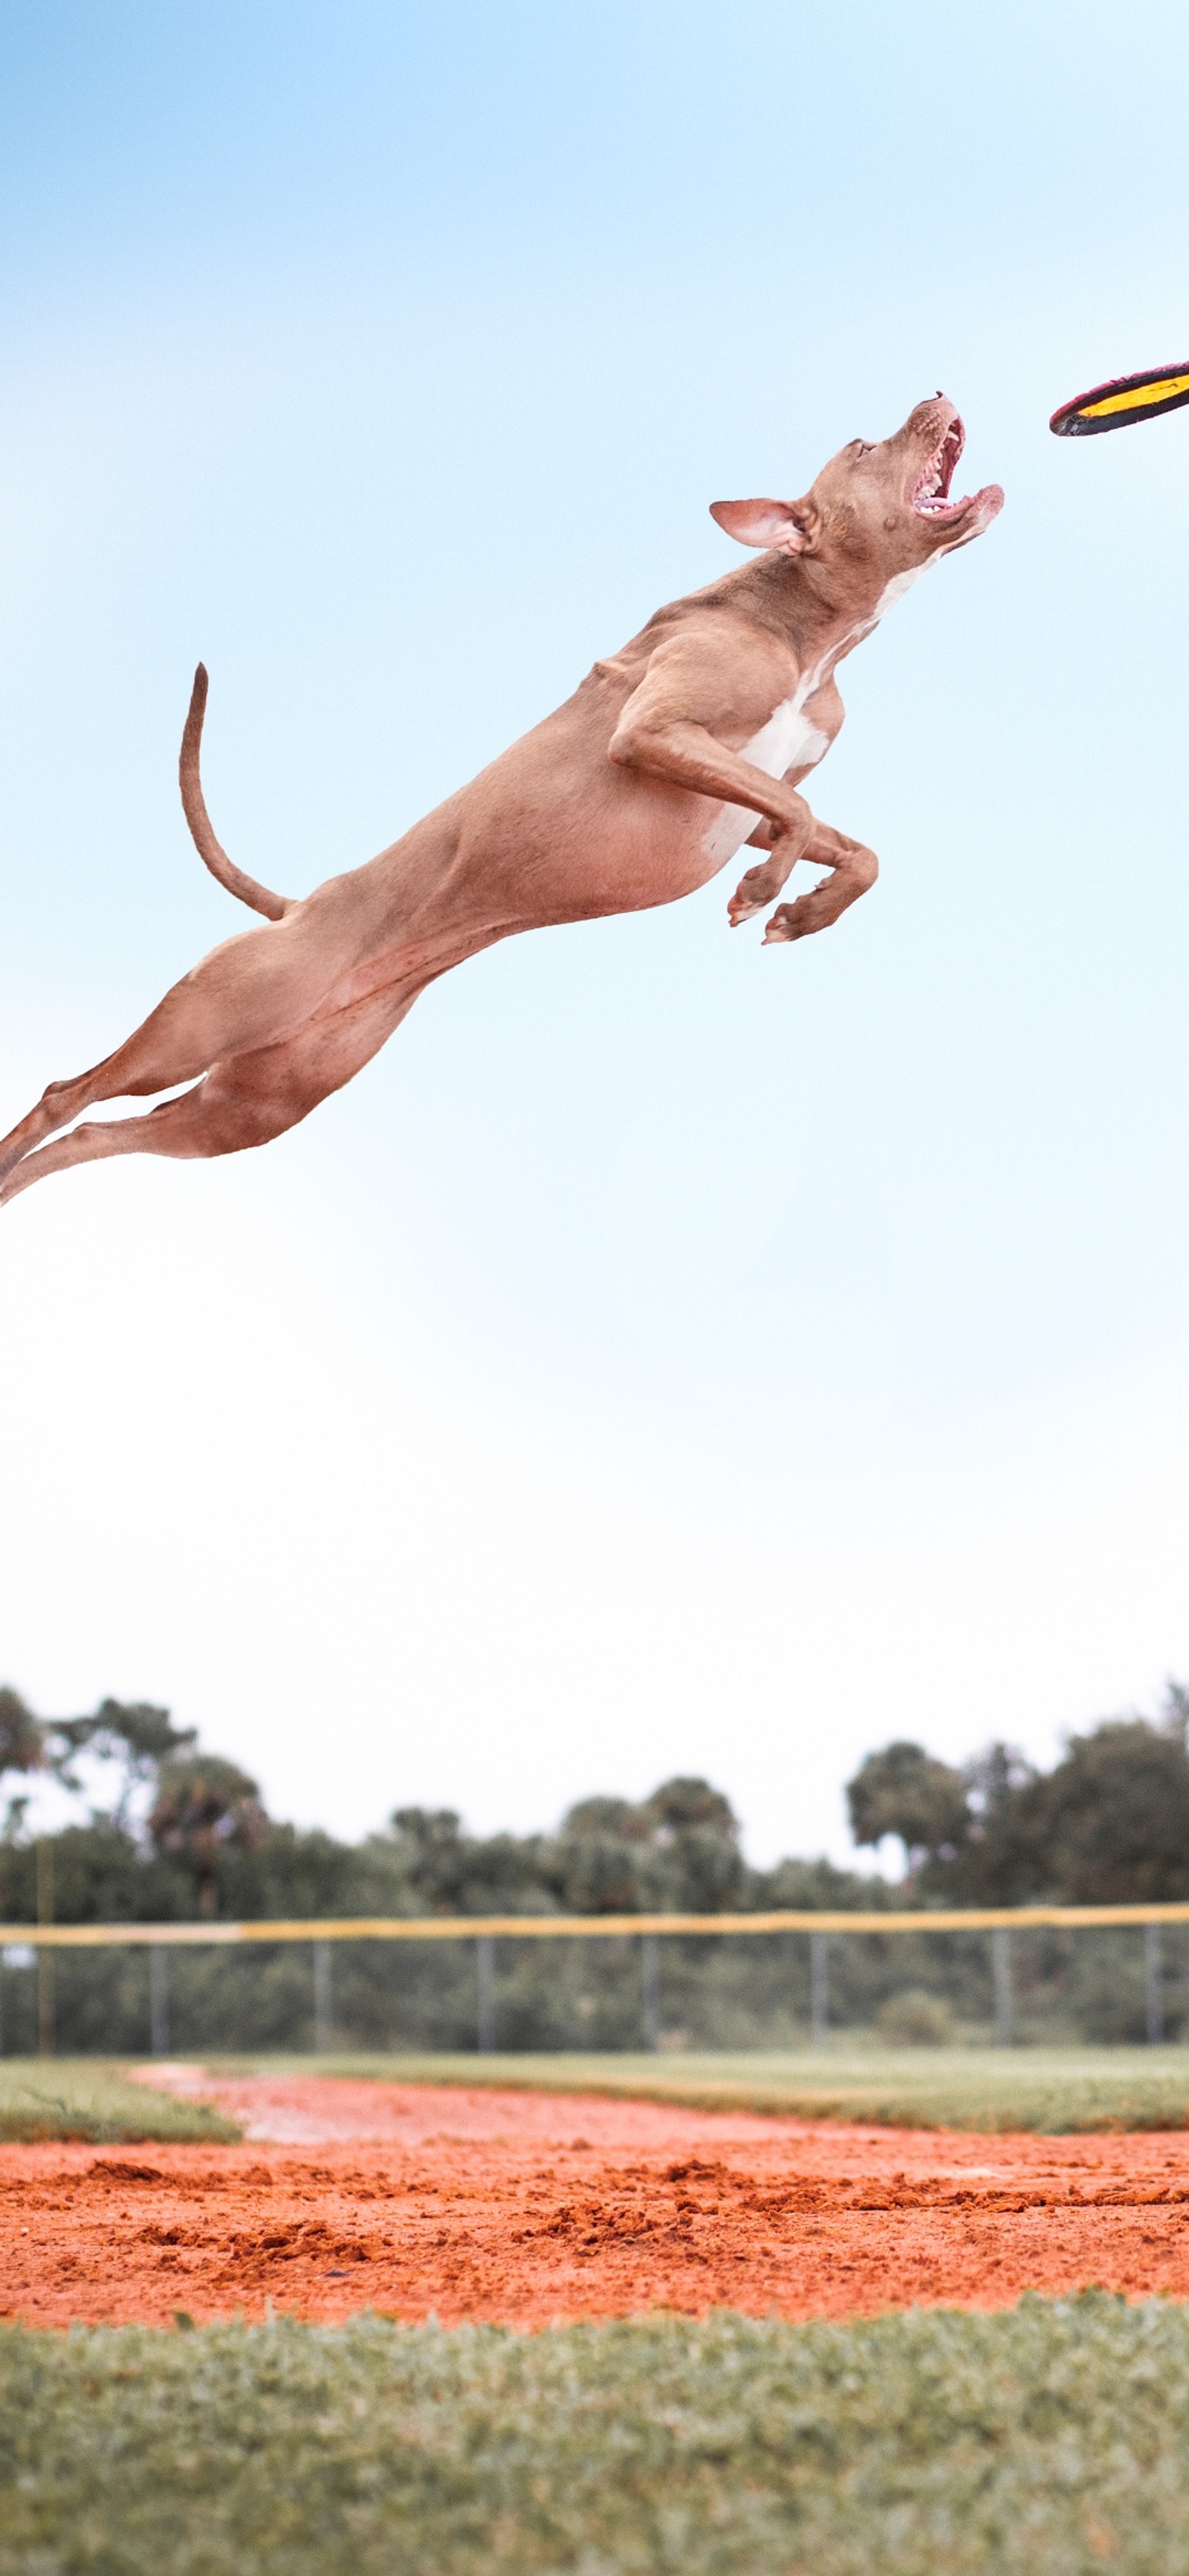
930, 493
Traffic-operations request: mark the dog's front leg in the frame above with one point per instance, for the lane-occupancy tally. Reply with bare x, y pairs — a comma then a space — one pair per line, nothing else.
669, 729
760, 884
853, 868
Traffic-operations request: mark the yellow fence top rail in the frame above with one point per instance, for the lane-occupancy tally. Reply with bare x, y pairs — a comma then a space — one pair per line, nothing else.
572, 1927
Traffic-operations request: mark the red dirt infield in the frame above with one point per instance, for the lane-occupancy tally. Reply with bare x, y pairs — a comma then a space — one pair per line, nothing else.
529, 2208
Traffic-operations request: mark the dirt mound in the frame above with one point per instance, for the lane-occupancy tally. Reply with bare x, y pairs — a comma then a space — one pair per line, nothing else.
525, 2208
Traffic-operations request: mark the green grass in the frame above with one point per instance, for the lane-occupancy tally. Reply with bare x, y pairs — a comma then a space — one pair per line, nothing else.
80, 2097
1045, 2442
1046, 2089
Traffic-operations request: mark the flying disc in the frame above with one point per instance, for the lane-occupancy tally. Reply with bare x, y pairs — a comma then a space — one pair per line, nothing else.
1124, 399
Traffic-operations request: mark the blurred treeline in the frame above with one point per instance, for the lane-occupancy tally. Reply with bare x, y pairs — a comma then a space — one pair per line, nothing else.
167, 1832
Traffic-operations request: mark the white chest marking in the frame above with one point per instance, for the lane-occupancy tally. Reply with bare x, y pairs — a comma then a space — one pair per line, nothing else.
787, 741
895, 589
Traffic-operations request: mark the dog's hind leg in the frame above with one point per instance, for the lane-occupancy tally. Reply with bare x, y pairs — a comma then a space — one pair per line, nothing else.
245, 1100
246, 995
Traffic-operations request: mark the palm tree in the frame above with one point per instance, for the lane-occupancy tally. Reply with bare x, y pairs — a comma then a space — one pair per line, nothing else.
203, 1803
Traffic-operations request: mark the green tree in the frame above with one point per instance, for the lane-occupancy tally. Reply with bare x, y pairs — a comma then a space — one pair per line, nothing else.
699, 1868
134, 1736
21, 1744
22, 1749
1113, 1817
674, 1852
203, 1805
447, 1871
907, 1792
1002, 1861
1109, 1824
598, 1863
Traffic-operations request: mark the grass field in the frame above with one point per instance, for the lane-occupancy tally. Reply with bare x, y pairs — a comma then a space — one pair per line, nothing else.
80, 2097
1049, 2090
1048, 2441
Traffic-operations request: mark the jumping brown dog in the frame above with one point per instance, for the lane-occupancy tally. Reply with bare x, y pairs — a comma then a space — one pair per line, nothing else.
639, 789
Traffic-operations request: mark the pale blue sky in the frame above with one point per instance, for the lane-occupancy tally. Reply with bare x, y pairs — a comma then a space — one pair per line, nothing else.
669, 1354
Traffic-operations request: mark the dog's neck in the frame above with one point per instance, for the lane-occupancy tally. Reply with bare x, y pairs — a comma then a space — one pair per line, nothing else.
823, 607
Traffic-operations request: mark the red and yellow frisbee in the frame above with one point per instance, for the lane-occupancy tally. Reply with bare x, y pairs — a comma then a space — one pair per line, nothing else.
1125, 399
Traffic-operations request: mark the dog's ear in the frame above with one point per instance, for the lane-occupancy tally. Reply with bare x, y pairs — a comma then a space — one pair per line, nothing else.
791, 527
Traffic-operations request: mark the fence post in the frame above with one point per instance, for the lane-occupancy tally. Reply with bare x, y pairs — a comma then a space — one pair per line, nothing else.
323, 2006
819, 1987
650, 1990
485, 1967
158, 2003
1153, 1985
45, 1958
1001, 1980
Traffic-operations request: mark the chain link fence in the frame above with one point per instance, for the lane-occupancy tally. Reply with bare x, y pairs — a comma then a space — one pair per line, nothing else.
1038, 1975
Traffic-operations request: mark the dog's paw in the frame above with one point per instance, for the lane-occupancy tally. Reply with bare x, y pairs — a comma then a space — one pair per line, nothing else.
752, 893
783, 925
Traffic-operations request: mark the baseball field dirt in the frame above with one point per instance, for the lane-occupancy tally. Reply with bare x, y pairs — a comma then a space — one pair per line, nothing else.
526, 2209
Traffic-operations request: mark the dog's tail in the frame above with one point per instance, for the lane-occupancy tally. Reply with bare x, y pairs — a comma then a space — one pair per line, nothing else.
273, 906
